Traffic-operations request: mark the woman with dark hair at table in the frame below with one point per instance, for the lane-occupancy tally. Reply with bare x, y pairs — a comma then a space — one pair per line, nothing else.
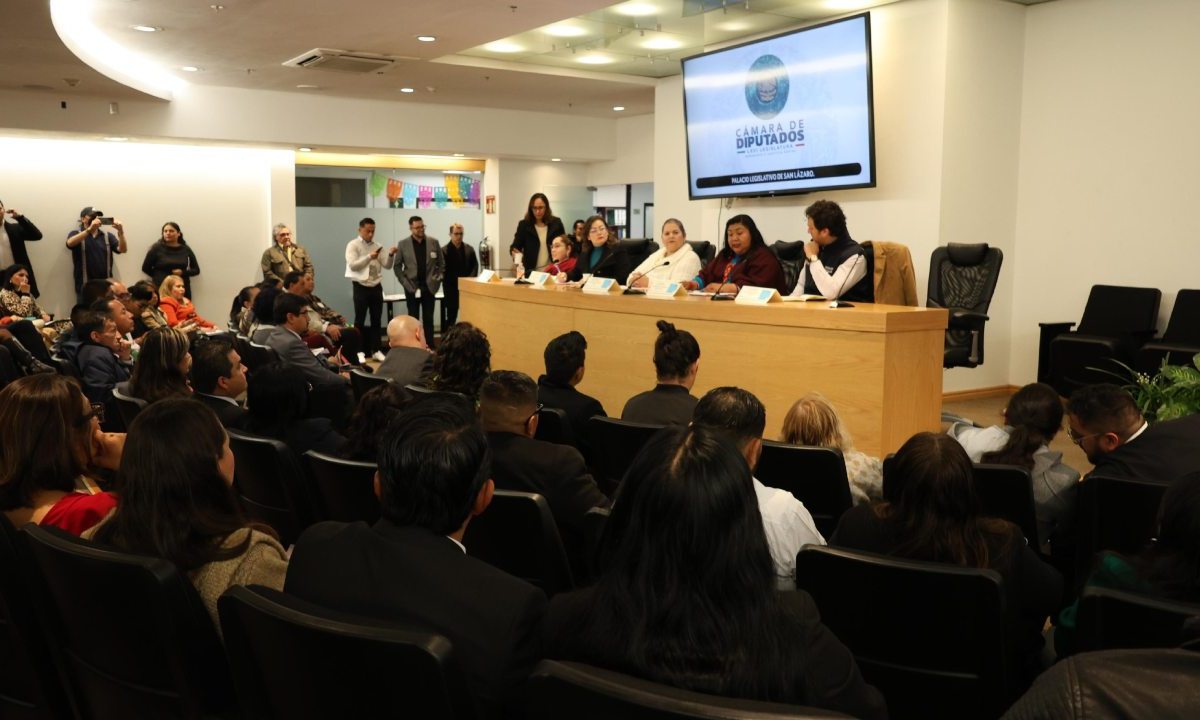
171, 255
177, 503
686, 595
534, 233
601, 254
745, 260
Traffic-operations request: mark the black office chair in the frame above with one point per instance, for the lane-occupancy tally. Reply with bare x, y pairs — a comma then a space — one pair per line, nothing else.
517, 534
705, 250
1006, 491
962, 279
791, 258
291, 659
362, 382
30, 688
1110, 619
816, 476
345, 489
637, 250
594, 522
257, 356
135, 638
1117, 322
127, 405
1180, 342
271, 484
615, 443
574, 691
554, 427
929, 636
1114, 514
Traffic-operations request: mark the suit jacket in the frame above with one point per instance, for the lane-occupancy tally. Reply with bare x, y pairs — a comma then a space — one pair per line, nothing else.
100, 371
409, 575
406, 365
576, 405
19, 233
231, 414
1165, 452
614, 263
525, 241
557, 473
275, 263
406, 265
292, 351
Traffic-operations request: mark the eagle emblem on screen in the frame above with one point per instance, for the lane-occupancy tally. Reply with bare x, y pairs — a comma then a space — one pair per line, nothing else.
767, 87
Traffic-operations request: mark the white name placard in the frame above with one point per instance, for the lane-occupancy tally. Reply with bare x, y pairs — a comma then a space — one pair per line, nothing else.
540, 279
665, 290
488, 276
751, 295
601, 286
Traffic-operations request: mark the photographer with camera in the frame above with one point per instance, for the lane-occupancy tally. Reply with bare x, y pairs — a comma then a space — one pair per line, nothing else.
92, 248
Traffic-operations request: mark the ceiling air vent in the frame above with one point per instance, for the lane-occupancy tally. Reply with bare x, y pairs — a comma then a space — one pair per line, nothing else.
326, 59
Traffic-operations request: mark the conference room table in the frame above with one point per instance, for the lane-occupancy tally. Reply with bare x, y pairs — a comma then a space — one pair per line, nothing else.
880, 365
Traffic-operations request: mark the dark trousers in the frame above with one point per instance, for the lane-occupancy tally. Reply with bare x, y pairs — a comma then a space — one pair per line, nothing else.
422, 308
8, 368
31, 338
449, 303
368, 298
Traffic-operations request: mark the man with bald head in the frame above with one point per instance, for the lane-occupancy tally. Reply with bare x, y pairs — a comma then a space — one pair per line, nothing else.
409, 360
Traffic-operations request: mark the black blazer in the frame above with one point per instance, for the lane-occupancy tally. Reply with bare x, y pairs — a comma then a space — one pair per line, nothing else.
230, 414
406, 366
614, 263
1165, 452
578, 407
407, 574
19, 233
525, 240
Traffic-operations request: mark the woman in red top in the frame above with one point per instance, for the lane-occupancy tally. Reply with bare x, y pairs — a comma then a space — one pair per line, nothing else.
562, 255
744, 261
178, 309
49, 438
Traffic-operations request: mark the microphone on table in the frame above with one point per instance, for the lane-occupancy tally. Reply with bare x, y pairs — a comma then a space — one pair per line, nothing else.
724, 281
836, 303
631, 290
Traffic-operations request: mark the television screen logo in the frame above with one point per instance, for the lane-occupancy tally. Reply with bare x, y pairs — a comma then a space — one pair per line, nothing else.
767, 87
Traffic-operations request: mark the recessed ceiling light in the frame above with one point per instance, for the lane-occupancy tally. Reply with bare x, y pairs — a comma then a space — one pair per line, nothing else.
503, 46
733, 26
555, 159
618, 108
146, 28
595, 59
407, 90
635, 9
190, 68
305, 149
459, 155
662, 43
426, 38
116, 139
565, 30
308, 87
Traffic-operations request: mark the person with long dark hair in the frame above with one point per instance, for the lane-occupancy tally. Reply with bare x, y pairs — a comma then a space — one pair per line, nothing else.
1168, 567
686, 590
241, 311
462, 361
16, 295
745, 260
177, 503
534, 233
171, 255
601, 254
676, 364
1032, 419
369, 422
161, 369
145, 301
931, 511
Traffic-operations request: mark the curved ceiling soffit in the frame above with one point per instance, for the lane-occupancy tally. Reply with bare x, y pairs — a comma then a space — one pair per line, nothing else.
72, 21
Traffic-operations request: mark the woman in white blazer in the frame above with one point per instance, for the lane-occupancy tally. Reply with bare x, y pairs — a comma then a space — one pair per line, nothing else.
684, 264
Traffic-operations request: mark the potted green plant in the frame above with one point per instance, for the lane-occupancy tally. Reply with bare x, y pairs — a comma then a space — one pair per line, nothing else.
1172, 392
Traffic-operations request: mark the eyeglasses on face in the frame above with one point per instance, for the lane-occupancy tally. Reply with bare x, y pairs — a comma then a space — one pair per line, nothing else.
97, 411
1078, 439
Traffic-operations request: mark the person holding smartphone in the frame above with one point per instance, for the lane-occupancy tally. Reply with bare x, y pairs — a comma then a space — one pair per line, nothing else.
92, 248
15, 231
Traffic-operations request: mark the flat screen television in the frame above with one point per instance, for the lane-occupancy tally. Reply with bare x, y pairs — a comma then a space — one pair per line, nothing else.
787, 114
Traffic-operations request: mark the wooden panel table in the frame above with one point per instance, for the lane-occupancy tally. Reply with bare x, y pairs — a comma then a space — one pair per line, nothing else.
880, 365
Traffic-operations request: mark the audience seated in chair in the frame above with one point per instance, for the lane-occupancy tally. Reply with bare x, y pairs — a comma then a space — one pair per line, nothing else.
686, 593
462, 362
116, 310
277, 401
508, 409
676, 362
1106, 424
788, 525
161, 370
104, 359
565, 358
50, 447
263, 314
370, 420
219, 379
291, 319
813, 421
1169, 567
175, 306
931, 511
409, 360
177, 503
241, 314
326, 328
1032, 418
410, 567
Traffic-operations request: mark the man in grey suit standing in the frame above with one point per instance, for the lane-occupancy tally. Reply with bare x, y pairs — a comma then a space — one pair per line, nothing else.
420, 266
409, 361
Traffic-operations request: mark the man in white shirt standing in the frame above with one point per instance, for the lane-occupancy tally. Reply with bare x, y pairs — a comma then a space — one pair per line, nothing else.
365, 263
787, 523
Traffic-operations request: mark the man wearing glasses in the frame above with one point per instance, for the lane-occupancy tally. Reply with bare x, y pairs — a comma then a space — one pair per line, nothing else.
1105, 423
420, 267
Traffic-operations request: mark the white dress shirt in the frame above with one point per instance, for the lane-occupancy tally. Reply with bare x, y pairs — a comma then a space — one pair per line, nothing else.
832, 285
788, 526
358, 259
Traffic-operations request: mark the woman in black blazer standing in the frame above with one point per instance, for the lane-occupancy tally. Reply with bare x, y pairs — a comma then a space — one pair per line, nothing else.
601, 254
535, 233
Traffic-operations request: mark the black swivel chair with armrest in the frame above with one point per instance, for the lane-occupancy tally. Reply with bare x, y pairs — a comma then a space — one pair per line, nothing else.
816, 476
791, 258
637, 250
705, 250
1117, 321
518, 535
962, 279
344, 489
1180, 342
